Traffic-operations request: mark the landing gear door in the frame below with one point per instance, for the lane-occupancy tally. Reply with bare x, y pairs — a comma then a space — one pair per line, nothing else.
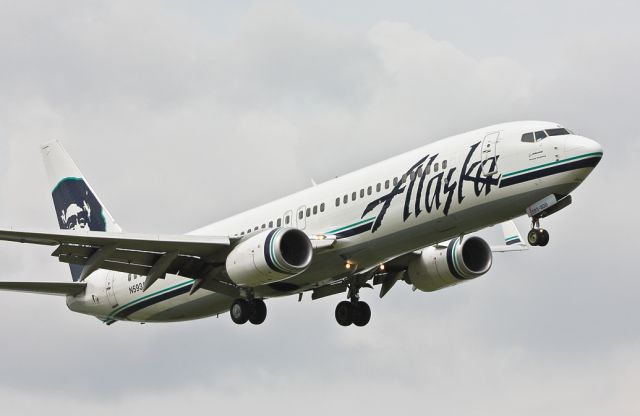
111, 293
489, 164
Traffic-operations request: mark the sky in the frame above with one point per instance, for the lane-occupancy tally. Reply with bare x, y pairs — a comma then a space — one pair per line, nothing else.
183, 113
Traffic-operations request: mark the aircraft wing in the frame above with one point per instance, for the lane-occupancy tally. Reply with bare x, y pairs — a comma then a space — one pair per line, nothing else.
141, 254
45, 288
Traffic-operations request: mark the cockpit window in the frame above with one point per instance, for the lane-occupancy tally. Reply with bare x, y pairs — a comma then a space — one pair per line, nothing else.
528, 138
540, 135
558, 132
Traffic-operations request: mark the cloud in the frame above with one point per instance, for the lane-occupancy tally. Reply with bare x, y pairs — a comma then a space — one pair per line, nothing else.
177, 125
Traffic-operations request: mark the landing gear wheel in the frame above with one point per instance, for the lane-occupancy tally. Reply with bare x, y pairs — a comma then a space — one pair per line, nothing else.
544, 238
534, 237
258, 312
344, 313
361, 313
240, 311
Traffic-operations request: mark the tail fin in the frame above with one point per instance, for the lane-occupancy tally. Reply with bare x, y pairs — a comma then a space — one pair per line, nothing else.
77, 206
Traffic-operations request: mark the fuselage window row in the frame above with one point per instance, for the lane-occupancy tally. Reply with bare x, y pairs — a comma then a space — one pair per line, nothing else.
368, 191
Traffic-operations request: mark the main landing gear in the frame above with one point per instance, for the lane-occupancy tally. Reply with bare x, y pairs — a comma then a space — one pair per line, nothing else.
537, 236
353, 311
243, 310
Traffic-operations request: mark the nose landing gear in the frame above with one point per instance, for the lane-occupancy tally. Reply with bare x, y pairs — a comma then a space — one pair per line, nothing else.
537, 236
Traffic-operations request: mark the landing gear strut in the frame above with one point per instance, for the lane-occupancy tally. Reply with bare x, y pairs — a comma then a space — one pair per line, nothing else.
243, 311
353, 311
537, 236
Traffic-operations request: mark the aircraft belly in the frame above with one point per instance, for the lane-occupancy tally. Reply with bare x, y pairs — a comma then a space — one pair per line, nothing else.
184, 307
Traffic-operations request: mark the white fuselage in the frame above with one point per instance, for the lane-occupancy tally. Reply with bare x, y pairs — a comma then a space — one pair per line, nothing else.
453, 186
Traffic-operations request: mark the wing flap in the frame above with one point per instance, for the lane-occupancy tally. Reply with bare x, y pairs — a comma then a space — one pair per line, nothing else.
130, 253
45, 288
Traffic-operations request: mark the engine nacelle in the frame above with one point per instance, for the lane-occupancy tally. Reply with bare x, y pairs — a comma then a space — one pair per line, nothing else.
438, 268
269, 257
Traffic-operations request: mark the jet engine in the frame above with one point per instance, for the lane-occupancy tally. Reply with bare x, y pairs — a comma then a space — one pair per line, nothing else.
461, 260
269, 257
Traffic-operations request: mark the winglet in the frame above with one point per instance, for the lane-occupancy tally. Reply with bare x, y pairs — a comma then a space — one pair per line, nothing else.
512, 239
511, 234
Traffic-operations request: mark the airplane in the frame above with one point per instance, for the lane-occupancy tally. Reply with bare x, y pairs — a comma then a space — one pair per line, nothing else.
408, 218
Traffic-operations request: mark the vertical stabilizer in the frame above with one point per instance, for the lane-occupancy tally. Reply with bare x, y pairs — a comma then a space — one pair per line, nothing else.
77, 205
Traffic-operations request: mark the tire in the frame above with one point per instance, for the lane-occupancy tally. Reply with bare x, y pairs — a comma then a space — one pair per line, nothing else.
258, 312
344, 313
533, 238
362, 314
544, 238
240, 311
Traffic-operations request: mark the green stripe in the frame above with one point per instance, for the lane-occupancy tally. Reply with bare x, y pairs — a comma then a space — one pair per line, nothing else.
355, 224
272, 251
455, 259
70, 178
133, 302
599, 154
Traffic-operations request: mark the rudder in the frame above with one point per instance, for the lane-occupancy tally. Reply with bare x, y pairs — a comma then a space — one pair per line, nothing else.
77, 205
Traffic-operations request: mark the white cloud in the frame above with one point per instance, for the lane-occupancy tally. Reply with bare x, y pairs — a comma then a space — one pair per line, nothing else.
168, 118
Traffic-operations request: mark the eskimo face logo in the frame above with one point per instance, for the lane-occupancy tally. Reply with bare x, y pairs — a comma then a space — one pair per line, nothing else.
76, 206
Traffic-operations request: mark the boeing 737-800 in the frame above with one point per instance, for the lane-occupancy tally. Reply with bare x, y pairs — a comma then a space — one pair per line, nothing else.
408, 218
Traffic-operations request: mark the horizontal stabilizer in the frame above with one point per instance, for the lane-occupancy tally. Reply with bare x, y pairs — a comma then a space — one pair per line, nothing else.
45, 288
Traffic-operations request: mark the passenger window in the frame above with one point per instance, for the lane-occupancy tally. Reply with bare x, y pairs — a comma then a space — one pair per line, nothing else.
308, 212
369, 190
270, 224
435, 167
287, 219
413, 175
337, 202
395, 181
361, 193
242, 233
264, 226
420, 171
346, 199
427, 170
404, 178
249, 231
444, 164
315, 210
386, 184
528, 138
129, 276
301, 214
378, 187
354, 196
540, 135
279, 222
255, 229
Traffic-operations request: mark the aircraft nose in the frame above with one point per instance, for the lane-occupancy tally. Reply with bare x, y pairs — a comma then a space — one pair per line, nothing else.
582, 146
590, 146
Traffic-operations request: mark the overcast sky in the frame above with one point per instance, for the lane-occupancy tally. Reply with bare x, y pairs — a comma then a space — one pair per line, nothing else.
170, 108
